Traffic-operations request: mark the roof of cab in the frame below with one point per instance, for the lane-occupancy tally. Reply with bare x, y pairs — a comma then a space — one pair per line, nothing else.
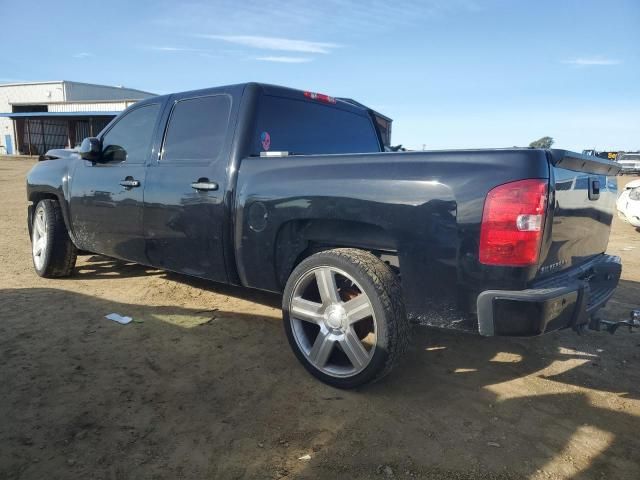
269, 89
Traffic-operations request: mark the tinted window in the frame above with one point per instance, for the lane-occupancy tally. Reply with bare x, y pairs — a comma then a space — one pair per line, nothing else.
130, 138
306, 127
197, 129
384, 127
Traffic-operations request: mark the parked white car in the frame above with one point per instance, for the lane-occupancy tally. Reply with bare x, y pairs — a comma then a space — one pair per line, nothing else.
629, 203
630, 163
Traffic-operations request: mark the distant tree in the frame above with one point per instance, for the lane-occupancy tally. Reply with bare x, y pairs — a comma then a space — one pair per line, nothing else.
397, 148
544, 142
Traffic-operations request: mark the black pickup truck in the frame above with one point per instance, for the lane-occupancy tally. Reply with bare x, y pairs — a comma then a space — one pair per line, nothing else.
293, 192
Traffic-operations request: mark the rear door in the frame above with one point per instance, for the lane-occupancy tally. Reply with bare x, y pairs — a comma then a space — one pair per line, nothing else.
106, 197
184, 208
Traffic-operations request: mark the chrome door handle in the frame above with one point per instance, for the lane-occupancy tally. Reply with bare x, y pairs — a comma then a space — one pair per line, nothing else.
203, 185
129, 183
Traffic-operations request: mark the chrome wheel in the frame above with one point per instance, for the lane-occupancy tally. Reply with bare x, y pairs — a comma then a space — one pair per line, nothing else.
333, 322
39, 238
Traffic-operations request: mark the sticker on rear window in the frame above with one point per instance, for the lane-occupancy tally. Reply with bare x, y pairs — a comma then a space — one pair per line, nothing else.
265, 140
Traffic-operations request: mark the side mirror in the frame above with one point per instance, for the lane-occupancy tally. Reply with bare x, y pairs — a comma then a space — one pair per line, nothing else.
91, 149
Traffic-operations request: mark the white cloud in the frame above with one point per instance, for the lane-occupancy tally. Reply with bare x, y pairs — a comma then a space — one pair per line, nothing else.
275, 43
310, 18
592, 61
83, 55
209, 55
285, 59
174, 49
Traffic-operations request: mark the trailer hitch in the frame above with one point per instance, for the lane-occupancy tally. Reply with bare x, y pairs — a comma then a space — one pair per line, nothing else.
612, 326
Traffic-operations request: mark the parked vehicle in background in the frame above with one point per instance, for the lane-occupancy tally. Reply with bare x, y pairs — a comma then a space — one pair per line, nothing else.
292, 192
629, 162
628, 203
608, 155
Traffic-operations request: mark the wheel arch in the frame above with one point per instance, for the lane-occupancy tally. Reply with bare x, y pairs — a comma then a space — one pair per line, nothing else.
35, 197
299, 239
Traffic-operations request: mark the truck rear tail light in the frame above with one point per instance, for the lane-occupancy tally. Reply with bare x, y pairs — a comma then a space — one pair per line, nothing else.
513, 223
319, 97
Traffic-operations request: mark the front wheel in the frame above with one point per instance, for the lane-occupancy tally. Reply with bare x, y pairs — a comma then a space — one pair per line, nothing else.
53, 252
344, 317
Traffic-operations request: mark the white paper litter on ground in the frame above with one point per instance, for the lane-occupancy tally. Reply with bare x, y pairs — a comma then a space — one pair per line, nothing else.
118, 318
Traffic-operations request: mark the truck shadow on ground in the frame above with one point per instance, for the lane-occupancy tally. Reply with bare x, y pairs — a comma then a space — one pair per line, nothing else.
220, 395
98, 266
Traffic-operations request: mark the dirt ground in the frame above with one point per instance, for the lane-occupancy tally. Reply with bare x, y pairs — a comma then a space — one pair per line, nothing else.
206, 386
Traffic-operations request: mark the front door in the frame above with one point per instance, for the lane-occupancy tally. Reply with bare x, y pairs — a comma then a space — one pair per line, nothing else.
106, 197
184, 194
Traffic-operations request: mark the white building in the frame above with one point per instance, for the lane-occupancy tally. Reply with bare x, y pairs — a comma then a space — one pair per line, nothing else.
38, 116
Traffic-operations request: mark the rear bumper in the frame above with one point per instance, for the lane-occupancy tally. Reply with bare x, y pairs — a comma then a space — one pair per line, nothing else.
562, 301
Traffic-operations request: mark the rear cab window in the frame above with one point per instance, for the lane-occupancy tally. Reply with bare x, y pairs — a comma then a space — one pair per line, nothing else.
307, 127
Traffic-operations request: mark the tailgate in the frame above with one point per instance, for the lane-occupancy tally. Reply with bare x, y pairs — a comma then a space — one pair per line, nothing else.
582, 197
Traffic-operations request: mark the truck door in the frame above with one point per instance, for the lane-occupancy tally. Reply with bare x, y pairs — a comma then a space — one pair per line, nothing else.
184, 194
106, 197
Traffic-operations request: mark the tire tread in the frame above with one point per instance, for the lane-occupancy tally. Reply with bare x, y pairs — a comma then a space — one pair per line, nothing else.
389, 290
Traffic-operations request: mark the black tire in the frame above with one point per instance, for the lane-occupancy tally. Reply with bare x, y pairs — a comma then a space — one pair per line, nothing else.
59, 254
382, 286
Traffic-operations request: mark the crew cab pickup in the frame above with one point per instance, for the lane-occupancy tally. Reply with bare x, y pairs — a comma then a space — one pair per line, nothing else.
293, 192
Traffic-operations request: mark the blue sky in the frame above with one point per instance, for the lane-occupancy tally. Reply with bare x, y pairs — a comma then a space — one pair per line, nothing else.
451, 73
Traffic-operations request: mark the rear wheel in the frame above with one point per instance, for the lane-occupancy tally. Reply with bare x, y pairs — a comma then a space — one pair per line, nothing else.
53, 252
344, 317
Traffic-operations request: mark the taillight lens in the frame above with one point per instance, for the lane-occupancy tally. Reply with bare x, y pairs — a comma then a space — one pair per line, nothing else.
513, 223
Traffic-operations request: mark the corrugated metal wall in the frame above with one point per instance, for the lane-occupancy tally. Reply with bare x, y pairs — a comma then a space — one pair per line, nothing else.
90, 107
44, 134
84, 91
62, 97
28, 93
37, 135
